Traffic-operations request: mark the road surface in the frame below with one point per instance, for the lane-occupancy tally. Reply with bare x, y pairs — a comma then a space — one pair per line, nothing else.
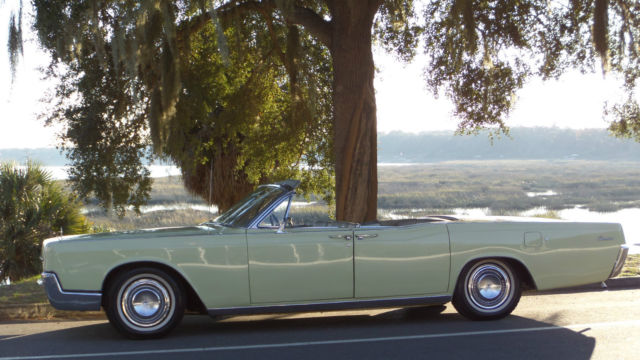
599, 324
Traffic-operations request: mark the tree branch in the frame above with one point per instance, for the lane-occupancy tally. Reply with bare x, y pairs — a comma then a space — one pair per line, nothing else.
312, 22
307, 18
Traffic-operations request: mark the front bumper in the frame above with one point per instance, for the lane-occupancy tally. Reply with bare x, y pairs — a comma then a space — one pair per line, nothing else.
622, 257
69, 300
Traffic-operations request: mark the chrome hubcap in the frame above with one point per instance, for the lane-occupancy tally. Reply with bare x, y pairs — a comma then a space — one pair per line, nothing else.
145, 302
489, 287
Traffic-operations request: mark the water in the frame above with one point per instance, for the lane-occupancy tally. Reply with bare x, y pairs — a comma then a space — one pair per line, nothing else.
60, 172
144, 209
179, 206
542, 194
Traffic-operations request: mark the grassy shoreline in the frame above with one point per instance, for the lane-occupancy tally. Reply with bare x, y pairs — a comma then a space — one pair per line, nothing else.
511, 185
505, 187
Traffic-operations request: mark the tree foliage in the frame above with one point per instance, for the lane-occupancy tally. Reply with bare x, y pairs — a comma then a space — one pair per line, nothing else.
32, 207
105, 132
255, 121
241, 92
231, 105
482, 52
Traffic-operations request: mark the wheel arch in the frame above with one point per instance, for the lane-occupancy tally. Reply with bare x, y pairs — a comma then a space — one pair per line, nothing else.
193, 301
523, 273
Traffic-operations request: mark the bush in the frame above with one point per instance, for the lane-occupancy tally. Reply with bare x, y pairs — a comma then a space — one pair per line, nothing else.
33, 207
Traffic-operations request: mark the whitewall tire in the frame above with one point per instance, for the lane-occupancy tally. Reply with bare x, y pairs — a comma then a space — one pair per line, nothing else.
145, 303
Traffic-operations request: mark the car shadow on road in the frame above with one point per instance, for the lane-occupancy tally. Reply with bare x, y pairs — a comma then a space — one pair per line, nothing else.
390, 333
577, 290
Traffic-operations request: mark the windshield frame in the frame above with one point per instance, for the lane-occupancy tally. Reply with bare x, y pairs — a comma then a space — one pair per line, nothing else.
247, 212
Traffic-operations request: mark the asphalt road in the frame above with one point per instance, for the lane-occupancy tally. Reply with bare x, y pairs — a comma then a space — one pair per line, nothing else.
599, 324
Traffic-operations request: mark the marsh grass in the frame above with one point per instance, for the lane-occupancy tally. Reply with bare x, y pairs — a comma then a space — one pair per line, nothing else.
503, 187
171, 189
551, 214
168, 192
311, 214
102, 222
506, 186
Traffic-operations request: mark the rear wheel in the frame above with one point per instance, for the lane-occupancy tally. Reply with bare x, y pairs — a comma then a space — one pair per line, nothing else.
145, 303
486, 290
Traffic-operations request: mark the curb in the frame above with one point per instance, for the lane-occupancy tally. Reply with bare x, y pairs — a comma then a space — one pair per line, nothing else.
44, 311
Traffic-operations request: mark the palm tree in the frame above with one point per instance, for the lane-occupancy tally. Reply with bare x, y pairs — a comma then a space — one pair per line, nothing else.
33, 207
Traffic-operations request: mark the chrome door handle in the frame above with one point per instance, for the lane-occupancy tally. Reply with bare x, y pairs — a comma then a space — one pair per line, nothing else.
366, 236
346, 237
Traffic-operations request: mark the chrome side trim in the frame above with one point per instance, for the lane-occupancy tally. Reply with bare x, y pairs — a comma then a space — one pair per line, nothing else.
366, 236
332, 305
622, 257
69, 300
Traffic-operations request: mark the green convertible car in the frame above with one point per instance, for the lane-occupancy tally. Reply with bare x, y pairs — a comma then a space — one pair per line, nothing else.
258, 257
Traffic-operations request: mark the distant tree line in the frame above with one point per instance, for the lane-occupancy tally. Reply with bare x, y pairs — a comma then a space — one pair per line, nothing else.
45, 156
523, 143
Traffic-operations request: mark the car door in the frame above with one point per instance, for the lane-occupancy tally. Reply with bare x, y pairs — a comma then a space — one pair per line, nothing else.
298, 263
401, 261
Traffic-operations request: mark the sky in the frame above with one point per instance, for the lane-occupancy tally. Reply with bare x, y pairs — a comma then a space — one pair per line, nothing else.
403, 102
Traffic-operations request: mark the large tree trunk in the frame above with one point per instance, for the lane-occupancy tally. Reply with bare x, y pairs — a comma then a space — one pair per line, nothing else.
355, 137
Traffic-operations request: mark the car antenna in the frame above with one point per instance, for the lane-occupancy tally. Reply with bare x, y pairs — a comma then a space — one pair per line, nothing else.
211, 188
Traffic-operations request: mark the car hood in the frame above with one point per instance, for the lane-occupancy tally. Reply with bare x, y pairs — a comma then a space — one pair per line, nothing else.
211, 229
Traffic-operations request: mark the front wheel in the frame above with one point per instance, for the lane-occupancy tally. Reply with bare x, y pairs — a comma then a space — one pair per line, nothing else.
145, 303
486, 290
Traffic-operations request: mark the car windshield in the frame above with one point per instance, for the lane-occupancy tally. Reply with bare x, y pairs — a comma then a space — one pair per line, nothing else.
243, 212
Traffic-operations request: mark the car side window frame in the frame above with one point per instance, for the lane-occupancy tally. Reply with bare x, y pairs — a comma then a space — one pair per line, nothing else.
259, 219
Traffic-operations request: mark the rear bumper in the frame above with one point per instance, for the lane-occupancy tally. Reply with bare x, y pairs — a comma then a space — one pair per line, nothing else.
69, 300
622, 257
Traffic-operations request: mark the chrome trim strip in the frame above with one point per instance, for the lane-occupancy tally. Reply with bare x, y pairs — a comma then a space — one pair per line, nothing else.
366, 236
622, 257
332, 305
343, 237
69, 300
